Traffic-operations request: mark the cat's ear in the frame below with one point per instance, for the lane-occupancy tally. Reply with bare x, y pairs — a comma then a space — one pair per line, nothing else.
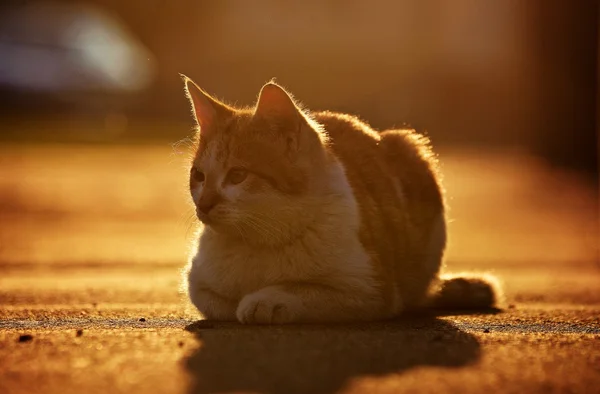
206, 109
275, 102
278, 106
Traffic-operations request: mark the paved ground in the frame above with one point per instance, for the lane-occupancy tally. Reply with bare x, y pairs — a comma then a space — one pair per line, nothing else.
92, 241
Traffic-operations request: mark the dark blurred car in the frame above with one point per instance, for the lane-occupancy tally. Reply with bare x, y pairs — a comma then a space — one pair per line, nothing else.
68, 56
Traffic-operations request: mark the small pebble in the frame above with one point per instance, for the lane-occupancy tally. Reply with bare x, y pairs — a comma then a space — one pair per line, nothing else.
25, 337
142, 319
487, 330
79, 332
180, 344
511, 306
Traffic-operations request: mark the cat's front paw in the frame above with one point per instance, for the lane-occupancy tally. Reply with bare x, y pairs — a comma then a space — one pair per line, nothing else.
269, 306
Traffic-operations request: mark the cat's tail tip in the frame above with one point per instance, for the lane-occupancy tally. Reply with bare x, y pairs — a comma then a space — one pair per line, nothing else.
467, 291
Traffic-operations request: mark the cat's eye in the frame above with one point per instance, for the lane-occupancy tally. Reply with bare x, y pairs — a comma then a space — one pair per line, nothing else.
197, 175
237, 175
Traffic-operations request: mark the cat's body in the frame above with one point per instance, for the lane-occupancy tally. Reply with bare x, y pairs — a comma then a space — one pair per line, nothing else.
315, 217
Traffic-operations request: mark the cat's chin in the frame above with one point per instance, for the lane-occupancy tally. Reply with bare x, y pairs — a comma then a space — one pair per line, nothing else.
204, 218
209, 222
215, 227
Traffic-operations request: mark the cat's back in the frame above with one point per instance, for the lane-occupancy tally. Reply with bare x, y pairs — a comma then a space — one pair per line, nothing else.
355, 144
348, 133
396, 167
394, 178
376, 189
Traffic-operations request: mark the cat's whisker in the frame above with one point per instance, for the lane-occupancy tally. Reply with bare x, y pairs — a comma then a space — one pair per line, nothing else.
242, 232
256, 228
184, 218
264, 228
190, 222
273, 220
272, 223
270, 219
277, 227
182, 150
259, 226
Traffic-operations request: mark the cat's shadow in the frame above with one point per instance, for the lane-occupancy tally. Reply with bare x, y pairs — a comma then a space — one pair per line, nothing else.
320, 358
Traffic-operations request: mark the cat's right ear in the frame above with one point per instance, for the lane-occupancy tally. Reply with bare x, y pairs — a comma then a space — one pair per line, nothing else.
206, 109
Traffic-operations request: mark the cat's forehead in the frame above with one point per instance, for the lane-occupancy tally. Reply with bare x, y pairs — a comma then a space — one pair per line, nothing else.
236, 140
212, 154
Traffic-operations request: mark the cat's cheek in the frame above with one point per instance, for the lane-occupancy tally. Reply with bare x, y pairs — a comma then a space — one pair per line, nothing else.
195, 191
256, 186
233, 192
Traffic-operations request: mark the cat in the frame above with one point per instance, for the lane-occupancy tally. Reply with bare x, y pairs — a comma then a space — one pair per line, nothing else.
315, 217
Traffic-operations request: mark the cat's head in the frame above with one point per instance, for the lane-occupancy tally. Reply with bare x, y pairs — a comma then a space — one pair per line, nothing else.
256, 170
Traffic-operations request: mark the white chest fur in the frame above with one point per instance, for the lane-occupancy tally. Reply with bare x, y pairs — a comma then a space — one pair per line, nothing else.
329, 252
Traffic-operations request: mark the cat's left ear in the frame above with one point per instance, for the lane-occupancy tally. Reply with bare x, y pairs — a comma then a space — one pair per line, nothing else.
275, 103
206, 110
278, 107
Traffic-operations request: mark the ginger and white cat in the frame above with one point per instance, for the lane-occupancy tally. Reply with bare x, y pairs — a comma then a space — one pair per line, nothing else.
315, 217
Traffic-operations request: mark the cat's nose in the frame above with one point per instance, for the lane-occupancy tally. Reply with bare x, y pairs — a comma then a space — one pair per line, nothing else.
207, 201
206, 206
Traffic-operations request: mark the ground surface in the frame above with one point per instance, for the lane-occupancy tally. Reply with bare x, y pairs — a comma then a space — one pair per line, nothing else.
92, 241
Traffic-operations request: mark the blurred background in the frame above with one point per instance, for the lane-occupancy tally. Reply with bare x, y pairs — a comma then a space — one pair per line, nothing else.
93, 119
477, 72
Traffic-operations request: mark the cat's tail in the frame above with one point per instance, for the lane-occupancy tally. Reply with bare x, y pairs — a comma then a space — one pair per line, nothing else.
466, 291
